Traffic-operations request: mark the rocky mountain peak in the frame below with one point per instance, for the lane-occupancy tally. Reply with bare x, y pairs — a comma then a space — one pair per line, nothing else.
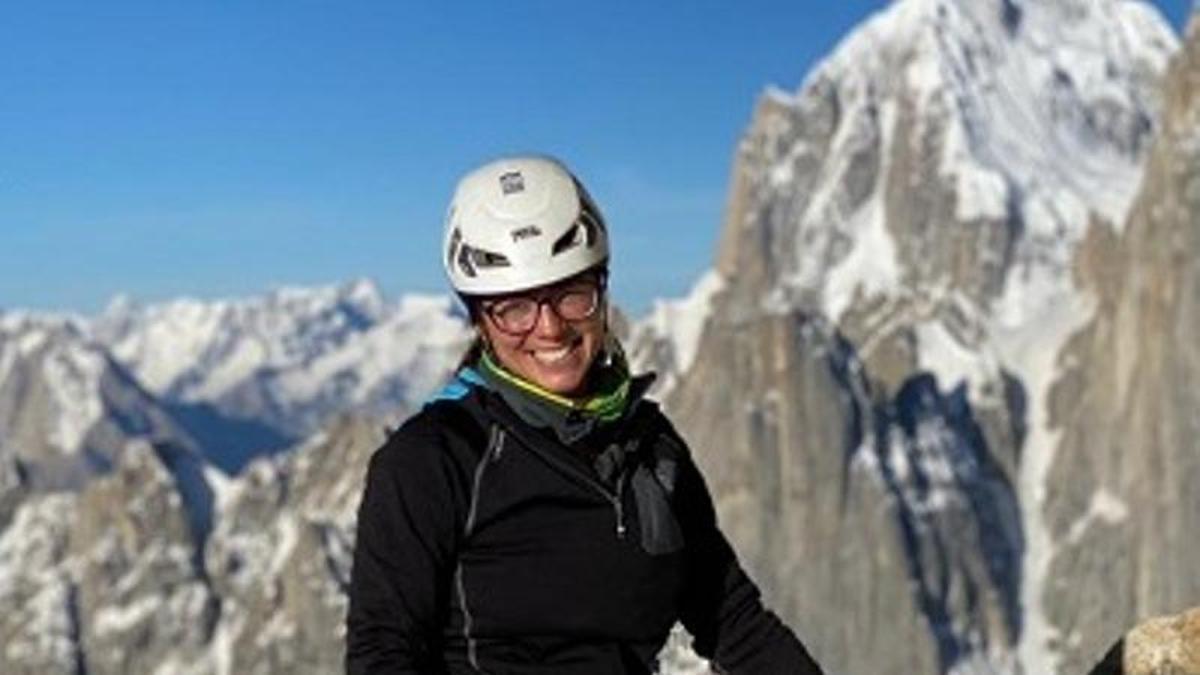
954, 119
902, 256
67, 408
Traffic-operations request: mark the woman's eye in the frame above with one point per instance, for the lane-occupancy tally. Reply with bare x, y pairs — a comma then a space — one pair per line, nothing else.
515, 309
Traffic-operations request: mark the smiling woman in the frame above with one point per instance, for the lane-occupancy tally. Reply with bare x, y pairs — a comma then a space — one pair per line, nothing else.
523, 234
541, 515
552, 349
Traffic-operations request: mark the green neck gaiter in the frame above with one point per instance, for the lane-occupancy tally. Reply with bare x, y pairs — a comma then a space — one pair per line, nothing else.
571, 418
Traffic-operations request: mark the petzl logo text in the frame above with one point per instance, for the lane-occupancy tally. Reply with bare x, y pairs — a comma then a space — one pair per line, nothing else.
525, 233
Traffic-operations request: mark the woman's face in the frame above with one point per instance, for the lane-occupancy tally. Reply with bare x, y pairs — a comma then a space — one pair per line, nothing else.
550, 335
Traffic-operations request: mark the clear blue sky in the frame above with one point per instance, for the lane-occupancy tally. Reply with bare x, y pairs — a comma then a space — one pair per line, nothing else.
218, 149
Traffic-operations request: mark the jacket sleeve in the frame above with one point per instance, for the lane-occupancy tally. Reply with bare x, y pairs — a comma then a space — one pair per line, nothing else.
722, 607
404, 555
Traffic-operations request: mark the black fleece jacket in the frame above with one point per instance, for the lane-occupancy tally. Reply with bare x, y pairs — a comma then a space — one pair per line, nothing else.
488, 545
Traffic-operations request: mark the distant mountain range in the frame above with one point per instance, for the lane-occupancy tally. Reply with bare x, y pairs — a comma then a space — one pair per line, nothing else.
239, 377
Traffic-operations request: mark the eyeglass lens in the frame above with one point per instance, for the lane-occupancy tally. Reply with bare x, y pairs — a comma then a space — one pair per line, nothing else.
572, 303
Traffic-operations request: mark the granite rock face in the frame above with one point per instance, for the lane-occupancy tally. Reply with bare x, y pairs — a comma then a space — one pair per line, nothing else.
164, 566
1125, 516
108, 580
67, 408
280, 557
892, 514
899, 303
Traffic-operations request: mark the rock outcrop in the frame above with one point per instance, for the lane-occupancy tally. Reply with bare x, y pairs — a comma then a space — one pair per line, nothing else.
162, 565
109, 580
1166, 645
280, 556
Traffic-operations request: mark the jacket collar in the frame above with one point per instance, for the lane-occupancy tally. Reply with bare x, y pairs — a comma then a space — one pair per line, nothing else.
572, 425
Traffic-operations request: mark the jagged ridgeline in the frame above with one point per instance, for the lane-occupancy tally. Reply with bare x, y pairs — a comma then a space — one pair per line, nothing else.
942, 379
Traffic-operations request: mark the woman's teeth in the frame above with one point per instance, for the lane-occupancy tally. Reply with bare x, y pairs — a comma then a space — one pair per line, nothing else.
551, 356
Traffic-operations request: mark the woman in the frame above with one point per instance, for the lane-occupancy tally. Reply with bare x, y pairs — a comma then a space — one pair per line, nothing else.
540, 515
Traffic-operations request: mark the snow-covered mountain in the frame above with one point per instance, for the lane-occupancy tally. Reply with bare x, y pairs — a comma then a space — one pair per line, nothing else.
108, 579
67, 409
258, 374
899, 284
665, 340
105, 505
236, 377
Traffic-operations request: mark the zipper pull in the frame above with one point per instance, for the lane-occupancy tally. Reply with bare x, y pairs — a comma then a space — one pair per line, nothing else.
496, 444
620, 510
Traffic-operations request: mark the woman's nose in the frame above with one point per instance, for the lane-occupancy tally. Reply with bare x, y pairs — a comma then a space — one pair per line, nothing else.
549, 323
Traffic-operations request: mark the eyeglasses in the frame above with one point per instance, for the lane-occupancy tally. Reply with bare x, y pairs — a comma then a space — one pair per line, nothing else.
518, 315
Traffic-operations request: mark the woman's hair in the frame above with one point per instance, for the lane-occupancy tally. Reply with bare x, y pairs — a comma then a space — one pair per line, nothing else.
471, 356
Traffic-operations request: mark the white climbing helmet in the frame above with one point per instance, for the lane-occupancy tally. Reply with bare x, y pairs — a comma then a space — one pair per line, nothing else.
518, 223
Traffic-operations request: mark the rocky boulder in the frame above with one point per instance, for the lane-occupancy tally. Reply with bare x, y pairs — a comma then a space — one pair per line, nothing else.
1165, 645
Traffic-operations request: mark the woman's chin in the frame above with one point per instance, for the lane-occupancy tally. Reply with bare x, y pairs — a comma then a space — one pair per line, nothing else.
565, 378
561, 383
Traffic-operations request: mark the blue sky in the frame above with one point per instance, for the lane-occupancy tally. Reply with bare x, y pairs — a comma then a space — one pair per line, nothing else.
220, 149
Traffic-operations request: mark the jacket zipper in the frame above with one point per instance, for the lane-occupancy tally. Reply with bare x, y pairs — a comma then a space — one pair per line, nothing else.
494, 448
619, 505
614, 498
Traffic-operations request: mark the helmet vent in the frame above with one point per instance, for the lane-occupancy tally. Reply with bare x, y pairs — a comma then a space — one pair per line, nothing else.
484, 258
587, 220
469, 259
464, 262
585, 231
570, 239
481, 259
